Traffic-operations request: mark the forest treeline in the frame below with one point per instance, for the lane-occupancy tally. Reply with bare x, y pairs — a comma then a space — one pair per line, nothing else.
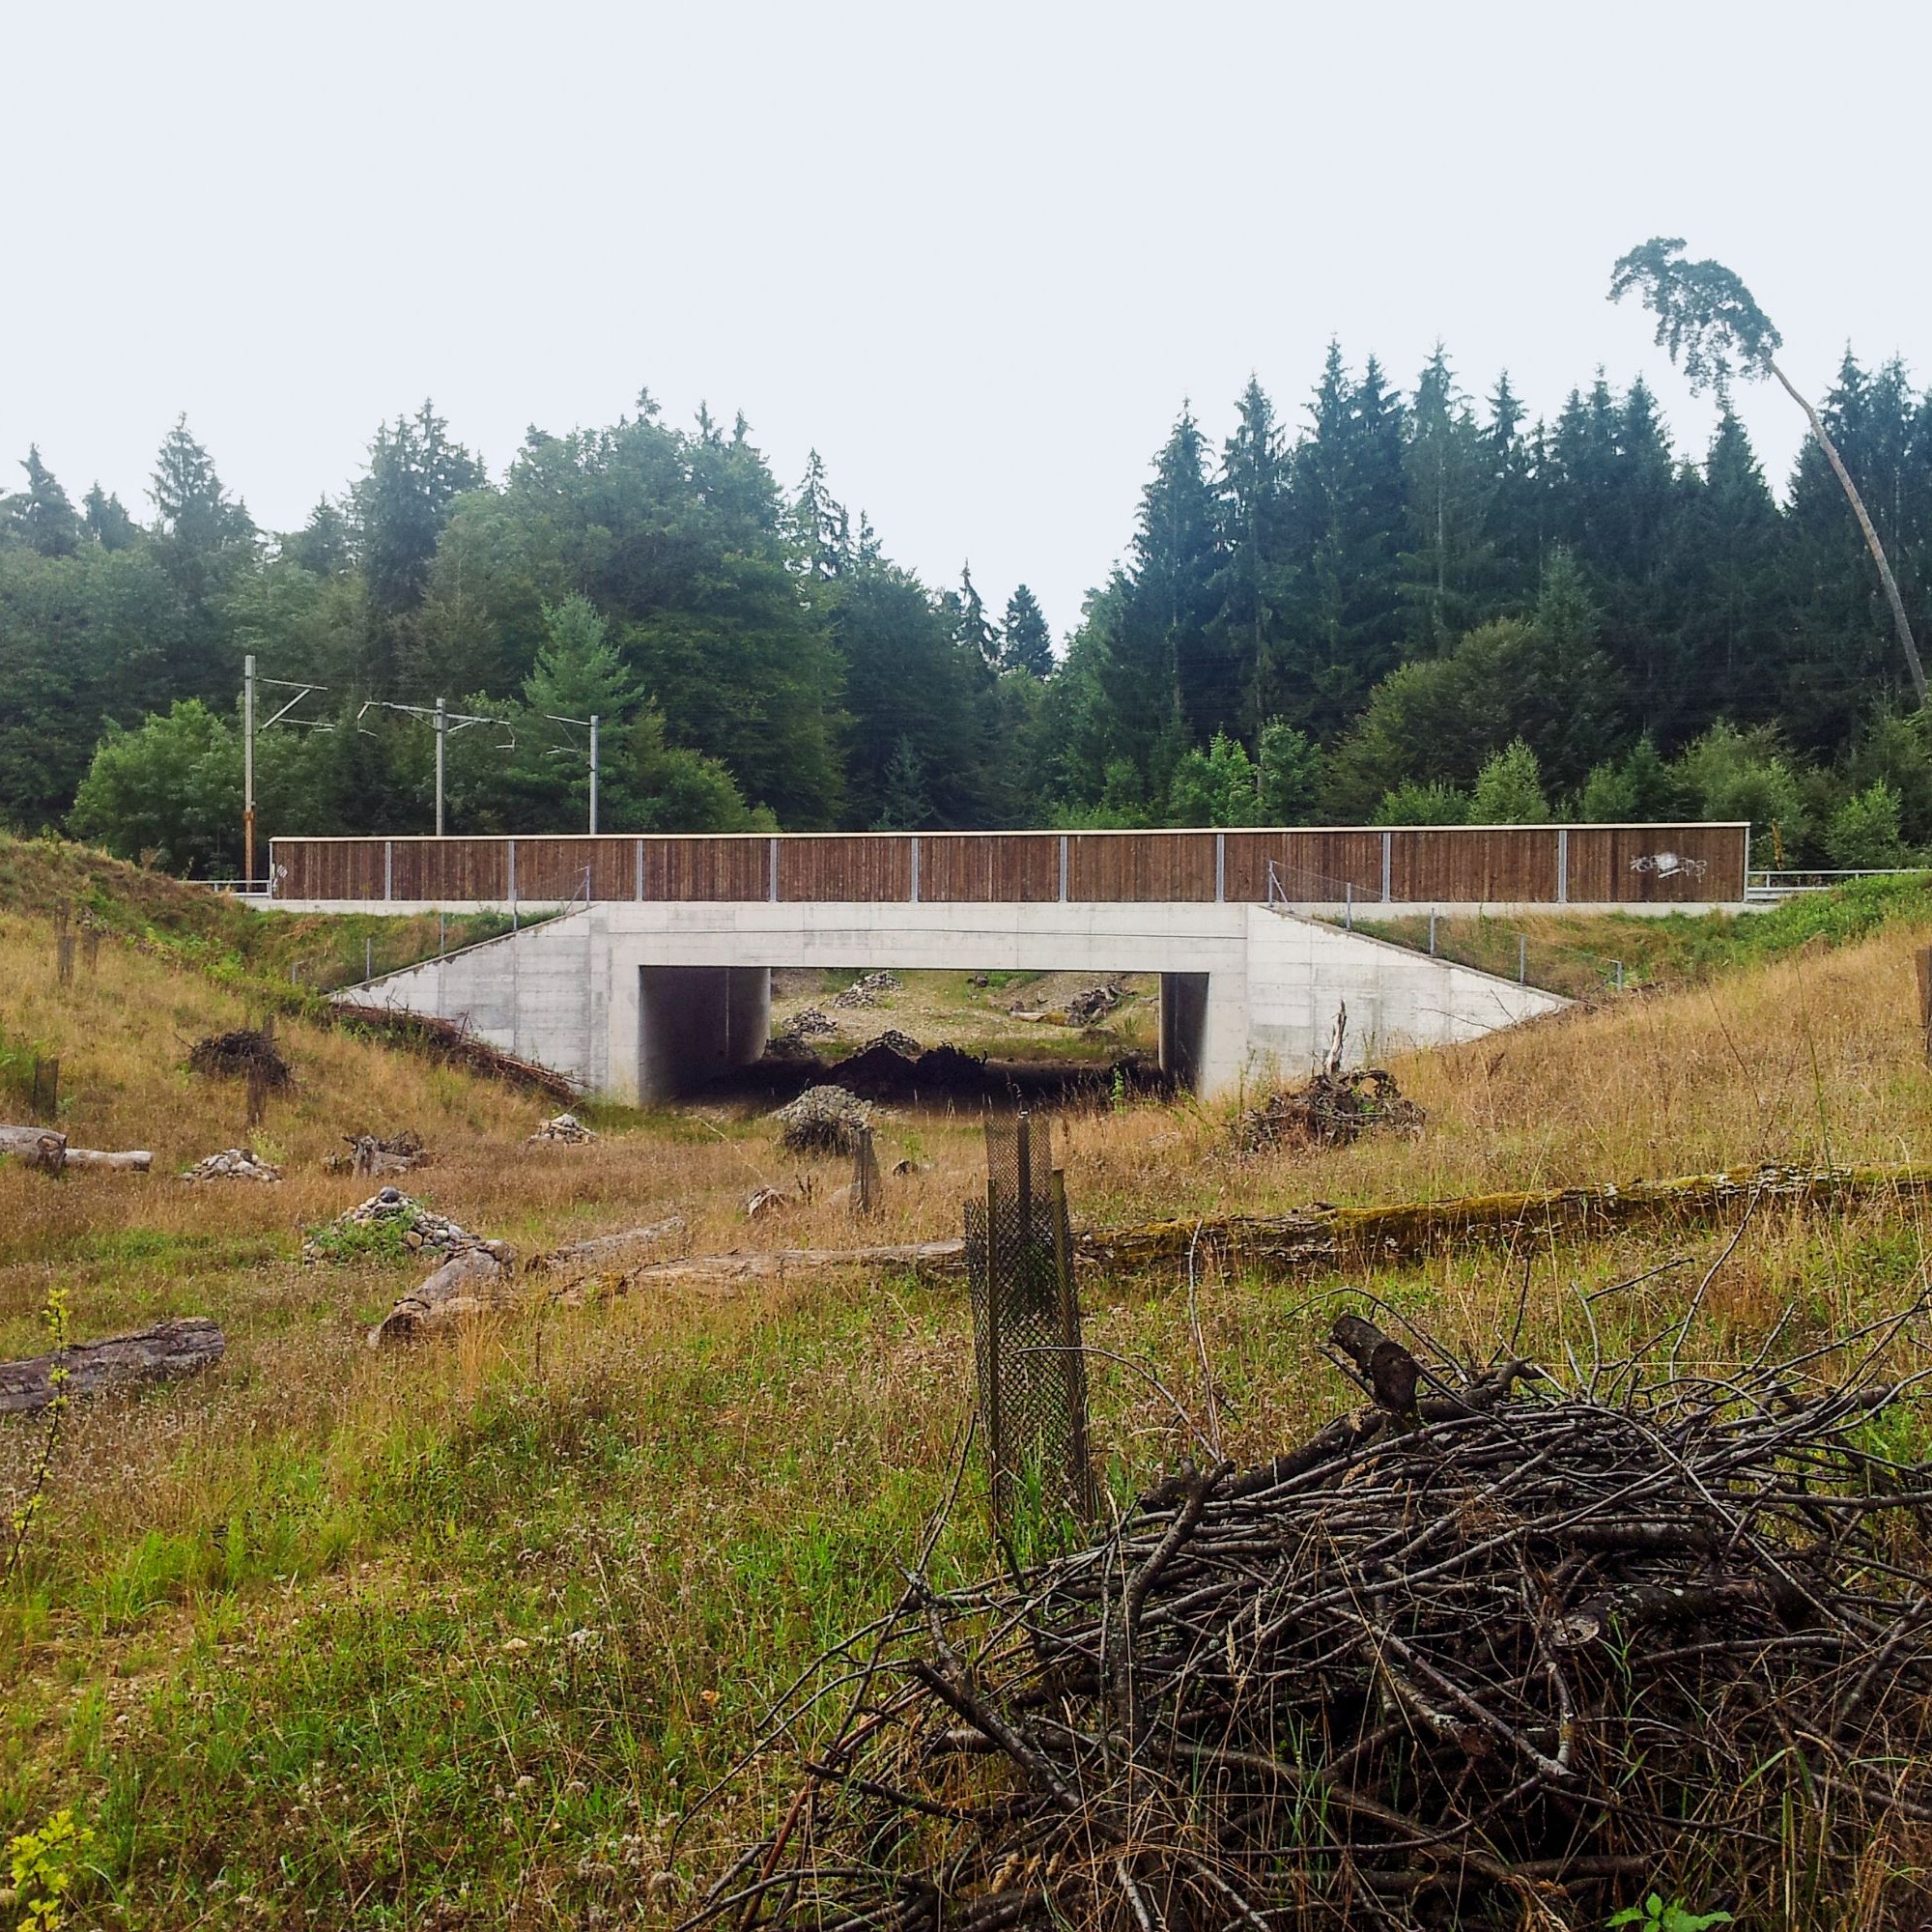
1413, 607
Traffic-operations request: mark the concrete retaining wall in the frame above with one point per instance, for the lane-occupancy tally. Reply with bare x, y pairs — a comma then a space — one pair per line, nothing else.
645, 1000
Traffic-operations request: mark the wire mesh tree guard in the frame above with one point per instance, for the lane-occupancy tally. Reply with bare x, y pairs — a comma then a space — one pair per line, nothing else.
1026, 1331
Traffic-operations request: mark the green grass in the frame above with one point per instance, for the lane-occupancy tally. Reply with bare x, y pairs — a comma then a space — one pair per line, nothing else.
479, 1660
1577, 954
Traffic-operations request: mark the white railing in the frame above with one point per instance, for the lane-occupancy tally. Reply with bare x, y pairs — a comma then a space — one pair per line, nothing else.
1766, 888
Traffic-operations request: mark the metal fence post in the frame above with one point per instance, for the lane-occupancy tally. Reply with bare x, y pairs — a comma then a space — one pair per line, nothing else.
1220, 868
1522, 958
1349, 905
914, 868
1062, 868
772, 871
1388, 848
388, 867
1431, 932
1562, 864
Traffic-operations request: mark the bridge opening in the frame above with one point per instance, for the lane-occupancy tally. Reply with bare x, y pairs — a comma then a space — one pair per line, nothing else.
709, 1028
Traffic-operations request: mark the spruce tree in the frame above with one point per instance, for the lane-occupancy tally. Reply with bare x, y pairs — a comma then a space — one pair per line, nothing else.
1253, 485
1026, 642
1448, 504
107, 519
41, 514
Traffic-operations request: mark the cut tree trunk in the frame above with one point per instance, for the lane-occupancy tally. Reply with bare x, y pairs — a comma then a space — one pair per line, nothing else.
35, 1147
46, 1148
136, 1160
471, 1282
165, 1352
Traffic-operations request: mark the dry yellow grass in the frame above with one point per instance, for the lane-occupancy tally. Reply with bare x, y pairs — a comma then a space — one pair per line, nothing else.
713, 1484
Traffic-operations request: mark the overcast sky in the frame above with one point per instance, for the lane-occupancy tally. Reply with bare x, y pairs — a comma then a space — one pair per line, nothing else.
978, 255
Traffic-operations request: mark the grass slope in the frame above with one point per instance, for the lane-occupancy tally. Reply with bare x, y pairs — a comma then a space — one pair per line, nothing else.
1577, 954
452, 1637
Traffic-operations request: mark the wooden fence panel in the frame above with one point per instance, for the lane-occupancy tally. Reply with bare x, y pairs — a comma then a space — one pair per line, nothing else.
1657, 864
1455, 864
1497, 864
860, 868
989, 868
1140, 868
449, 869
698, 867
1314, 864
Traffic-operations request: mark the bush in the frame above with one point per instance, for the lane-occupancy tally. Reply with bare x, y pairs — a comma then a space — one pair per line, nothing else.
1413, 804
1508, 789
1863, 832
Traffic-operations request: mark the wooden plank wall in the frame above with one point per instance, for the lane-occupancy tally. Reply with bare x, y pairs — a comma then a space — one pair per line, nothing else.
1503, 864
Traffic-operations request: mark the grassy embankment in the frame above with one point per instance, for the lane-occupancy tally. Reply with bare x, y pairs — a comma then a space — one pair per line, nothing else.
1577, 954
450, 1637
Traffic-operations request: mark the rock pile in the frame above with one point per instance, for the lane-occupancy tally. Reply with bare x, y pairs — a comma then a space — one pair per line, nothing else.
1094, 1004
866, 992
233, 1164
823, 1120
420, 1230
564, 1127
809, 1023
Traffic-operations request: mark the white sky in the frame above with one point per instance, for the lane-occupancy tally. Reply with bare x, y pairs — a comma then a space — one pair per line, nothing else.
976, 254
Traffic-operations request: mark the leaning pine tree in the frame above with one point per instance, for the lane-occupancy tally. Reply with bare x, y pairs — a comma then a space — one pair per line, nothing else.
1711, 323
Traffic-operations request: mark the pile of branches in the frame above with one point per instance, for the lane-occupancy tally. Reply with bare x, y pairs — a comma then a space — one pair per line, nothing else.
1488, 1651
451, 1043
247, 1053
1332, 1109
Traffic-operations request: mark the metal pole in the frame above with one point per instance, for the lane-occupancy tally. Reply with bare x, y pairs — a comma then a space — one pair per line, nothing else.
368, 957
1522, 958
1431, 932
593, 774
248, 773
442, 738
1349, 900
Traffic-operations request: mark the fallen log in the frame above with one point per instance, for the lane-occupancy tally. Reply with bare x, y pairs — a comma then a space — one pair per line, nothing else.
135, 1160
937, 1258
600, 1247
469, 1283
35, 1147
165, 1352
46, 1148
1351, 1236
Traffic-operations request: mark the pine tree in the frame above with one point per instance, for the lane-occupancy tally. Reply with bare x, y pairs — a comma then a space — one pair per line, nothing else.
324, 544
821, 528
904, 805
415, 472
41, 514
1026, 642
1253, 486
107, 519
1448, 501
1348, 513
976, 636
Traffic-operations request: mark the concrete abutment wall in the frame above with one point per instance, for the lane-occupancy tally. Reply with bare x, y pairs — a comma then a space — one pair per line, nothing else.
643, 1002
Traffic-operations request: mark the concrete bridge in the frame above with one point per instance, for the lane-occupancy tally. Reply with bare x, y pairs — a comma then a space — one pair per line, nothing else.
657, 975
645, 1002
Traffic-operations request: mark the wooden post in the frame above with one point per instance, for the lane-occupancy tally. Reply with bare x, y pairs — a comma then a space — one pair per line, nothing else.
1922, 960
